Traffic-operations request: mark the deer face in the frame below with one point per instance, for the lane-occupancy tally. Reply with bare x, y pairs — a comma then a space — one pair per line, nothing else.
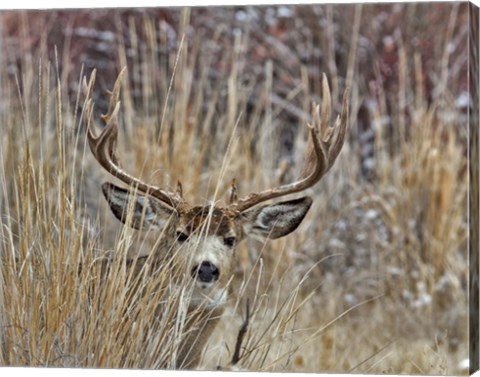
202, 239
205, 237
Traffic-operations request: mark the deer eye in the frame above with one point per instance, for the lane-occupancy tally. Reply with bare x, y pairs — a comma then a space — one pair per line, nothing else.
181, 237
229, 241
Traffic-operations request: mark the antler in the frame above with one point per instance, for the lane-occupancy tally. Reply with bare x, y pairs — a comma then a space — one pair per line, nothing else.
103, 146
326, 144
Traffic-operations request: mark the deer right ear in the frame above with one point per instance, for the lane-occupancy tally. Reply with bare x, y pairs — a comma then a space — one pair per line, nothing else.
148, 213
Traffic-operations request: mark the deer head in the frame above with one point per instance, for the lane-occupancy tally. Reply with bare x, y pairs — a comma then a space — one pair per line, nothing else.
206, 236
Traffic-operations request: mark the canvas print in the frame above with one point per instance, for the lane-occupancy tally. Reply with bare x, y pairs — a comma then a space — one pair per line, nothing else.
278, 188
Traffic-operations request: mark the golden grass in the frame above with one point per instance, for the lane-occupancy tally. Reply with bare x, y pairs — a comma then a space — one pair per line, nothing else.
373, 281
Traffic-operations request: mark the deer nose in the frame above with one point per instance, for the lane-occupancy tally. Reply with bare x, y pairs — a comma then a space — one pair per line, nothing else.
206, 272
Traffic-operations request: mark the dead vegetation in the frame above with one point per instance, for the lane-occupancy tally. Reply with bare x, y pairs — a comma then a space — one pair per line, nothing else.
374, 281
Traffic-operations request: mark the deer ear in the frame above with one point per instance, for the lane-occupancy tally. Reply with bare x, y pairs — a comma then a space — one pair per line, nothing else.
148, 213
276, 220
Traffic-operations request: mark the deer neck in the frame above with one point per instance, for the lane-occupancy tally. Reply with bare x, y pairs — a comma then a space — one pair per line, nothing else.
201, 323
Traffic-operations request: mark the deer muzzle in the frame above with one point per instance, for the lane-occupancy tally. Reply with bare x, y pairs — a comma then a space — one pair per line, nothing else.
206, 272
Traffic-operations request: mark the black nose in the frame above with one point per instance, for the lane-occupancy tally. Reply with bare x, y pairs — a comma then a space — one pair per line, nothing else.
206, 272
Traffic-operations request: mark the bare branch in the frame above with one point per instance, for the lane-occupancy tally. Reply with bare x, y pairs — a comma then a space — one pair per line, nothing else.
241, 334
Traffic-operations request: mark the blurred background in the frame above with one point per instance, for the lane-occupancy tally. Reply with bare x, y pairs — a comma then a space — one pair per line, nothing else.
376, 279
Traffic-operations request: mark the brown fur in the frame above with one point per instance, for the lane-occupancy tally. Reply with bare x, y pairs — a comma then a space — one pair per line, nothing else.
202, 324
220, 222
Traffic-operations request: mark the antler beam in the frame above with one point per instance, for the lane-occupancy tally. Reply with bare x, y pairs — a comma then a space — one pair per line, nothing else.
103, 146
326, 144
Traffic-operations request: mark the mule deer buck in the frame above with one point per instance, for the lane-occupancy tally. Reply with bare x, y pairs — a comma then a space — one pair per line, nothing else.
208, 235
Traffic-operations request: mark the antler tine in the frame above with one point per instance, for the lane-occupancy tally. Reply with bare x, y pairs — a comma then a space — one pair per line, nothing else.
234, 191
326, 144
103, 146
114, 96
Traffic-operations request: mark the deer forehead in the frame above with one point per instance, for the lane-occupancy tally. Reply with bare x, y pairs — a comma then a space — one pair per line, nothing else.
207, 220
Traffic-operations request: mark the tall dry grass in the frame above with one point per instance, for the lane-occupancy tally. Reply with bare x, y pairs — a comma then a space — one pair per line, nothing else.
374, 280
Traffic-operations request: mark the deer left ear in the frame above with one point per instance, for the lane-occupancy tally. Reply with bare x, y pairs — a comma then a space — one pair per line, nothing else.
276, 220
